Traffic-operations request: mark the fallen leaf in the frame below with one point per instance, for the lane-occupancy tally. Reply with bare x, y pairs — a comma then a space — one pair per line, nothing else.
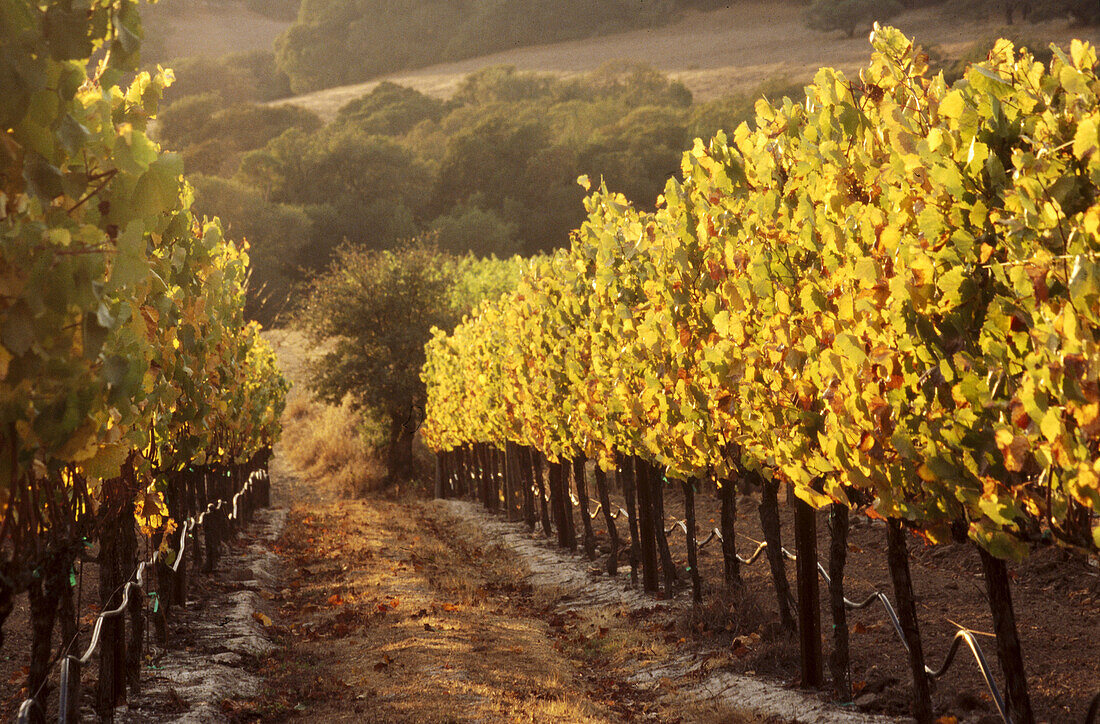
263, 618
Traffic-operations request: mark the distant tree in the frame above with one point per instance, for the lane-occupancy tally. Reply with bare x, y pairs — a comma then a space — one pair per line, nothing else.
377, 309
480, 231
726, 114
503, 84
212, 136
277, 9
362, 187
849, 15
335, 42
181, 124
278, 236
634, 84
637, 154
390, 110
249, 76
1083, 12
490, 159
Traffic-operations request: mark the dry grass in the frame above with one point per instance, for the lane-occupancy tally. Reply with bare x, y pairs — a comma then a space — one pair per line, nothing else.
324, 443
718, 53
726, 613
194, 28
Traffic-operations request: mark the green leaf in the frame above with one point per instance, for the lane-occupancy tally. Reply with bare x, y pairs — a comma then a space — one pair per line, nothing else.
107, 463
956, 286
130, 263
66, 31
158, 189
17, 332
43, 178
72, 134
993, 76
95, 334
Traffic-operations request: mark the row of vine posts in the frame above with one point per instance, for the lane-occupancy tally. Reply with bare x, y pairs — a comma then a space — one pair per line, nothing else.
511, 481
207, 506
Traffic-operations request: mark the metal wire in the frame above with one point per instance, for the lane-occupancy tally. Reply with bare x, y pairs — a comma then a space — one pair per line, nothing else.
962, 635
136, 580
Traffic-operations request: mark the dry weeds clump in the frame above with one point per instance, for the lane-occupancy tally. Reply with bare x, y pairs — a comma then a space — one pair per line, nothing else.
324, 443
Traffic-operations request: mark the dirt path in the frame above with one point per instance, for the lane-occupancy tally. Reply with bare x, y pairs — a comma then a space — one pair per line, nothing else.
715, 53
397, 611
408, 610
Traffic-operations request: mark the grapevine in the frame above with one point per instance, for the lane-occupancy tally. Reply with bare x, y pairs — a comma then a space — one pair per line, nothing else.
885, 296
125, 359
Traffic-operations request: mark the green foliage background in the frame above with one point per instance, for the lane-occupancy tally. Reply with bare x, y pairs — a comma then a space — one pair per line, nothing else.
491, 171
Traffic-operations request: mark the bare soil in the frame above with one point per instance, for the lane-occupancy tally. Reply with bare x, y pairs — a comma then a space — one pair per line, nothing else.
716, 53
396, 610
1056, 598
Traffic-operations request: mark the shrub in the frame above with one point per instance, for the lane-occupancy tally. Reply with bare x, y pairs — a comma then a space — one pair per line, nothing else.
849, 15
480, 231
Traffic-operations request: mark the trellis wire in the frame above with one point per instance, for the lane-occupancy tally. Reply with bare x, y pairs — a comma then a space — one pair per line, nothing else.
69, 694
961, 634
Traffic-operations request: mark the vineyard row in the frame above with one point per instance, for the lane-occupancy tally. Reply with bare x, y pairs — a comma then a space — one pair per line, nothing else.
132, 391
885, 297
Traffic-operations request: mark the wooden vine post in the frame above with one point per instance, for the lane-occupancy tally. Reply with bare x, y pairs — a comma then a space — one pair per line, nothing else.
728, 525
579, 463
769, 523
898, 559
544, 510
1009, 652
440, 485
609, 520
809, 596
839, 659
692, 546
567, 507
628, 477
646, 526
657, 483
527, 480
